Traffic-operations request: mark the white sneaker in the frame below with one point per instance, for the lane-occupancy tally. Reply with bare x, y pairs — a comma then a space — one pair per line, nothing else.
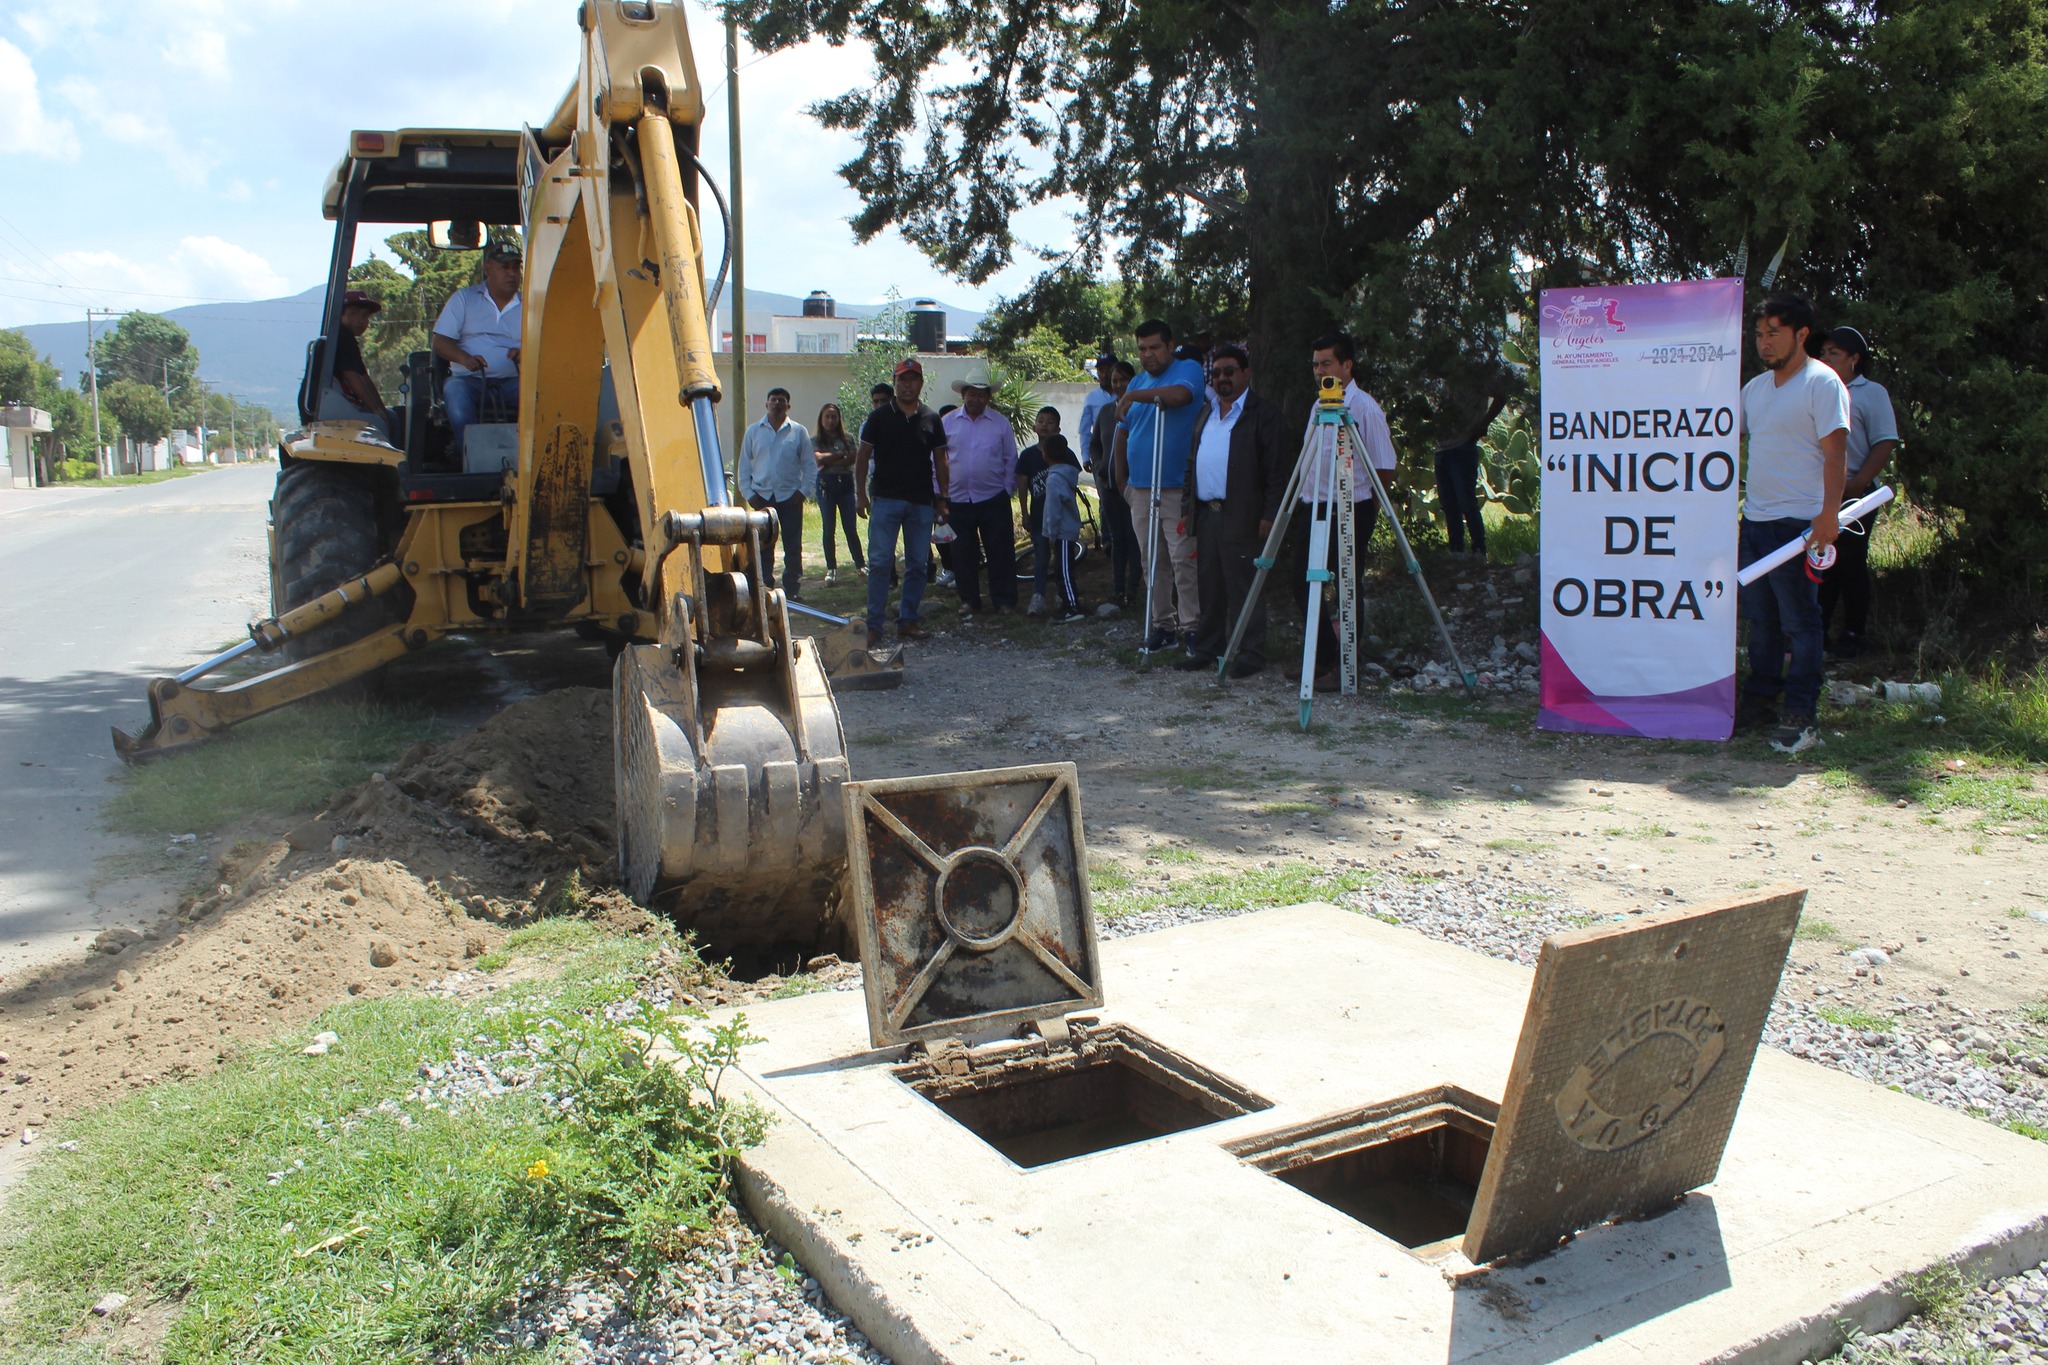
831, 577
1037, 607
1795, 735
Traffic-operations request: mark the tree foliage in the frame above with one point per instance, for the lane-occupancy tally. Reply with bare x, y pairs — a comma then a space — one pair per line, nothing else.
140, 407
1275, 168
150, 349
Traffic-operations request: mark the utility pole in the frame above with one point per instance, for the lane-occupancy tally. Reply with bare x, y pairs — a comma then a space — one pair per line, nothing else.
737, 300
99, 448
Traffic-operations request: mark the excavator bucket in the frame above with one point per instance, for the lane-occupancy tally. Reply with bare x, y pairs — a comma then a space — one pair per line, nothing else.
728, 757
852, 666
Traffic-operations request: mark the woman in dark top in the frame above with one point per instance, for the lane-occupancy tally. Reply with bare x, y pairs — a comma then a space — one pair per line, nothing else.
834, 449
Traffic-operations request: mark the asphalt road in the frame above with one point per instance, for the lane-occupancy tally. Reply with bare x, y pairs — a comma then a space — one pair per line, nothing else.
100, 590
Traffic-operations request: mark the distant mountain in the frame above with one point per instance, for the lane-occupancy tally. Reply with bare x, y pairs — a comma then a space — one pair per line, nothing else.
257, 350
253, 350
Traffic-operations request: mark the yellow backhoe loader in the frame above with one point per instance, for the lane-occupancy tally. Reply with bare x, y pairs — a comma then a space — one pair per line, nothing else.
603, 507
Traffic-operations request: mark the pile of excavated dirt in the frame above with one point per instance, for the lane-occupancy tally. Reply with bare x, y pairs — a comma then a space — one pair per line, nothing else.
397, 884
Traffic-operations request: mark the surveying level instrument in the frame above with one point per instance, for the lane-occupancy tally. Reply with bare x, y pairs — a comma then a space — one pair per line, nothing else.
1326, 457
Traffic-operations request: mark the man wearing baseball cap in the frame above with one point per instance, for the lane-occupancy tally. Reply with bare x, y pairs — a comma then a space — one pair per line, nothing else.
352, 379
903, 446
478, 335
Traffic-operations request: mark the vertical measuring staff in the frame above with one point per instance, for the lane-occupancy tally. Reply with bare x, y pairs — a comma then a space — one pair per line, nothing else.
1152, 534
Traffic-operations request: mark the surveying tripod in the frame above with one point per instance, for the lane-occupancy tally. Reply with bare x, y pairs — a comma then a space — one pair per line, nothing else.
1332, 439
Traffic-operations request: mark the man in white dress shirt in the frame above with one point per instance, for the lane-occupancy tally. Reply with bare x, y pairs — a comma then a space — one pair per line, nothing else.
776, 472
478, 335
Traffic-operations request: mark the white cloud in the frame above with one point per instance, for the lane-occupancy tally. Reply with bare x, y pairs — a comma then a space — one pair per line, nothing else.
24, 126
199, 53
198, 268
215, 267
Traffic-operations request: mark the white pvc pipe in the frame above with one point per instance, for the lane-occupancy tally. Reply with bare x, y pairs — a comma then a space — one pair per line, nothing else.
1855, 511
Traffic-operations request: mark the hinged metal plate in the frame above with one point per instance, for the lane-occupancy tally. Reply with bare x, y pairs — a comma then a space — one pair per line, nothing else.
1633, 1057
971, 898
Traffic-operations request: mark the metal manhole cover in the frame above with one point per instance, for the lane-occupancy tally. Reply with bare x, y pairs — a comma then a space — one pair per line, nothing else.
1633, 1058
971, 896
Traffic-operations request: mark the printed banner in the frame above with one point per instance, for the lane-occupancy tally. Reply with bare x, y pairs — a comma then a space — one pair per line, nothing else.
1642, 392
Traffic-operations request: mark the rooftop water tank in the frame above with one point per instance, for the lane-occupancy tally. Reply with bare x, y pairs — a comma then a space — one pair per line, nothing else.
927, 326
820, 305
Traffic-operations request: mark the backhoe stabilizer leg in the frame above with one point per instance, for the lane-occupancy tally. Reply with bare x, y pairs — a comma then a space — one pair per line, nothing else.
180, 715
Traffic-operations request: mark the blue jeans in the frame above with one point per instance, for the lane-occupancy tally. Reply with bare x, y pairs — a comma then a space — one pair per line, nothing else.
1783, 611
886, 517
836, 500
463, 395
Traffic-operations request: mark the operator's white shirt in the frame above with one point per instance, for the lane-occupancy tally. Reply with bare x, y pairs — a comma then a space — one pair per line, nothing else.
1318, 484
472, 320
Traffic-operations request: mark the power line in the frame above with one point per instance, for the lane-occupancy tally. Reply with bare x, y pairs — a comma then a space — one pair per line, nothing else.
139, 293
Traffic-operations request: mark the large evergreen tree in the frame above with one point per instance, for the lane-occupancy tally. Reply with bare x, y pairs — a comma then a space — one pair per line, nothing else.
1273, 168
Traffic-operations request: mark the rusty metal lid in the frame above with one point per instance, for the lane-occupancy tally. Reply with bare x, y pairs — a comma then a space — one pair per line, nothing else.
971, 897
1634, 1054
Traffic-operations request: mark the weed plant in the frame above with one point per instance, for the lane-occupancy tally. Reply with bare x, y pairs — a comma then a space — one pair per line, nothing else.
303, 1208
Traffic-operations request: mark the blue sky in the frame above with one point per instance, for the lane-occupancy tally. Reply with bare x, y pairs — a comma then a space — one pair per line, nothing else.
161, 152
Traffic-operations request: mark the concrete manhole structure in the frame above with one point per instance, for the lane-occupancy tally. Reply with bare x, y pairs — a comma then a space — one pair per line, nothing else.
1303, 1134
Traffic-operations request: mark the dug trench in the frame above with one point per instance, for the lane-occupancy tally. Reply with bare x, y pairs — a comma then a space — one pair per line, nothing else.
401, 884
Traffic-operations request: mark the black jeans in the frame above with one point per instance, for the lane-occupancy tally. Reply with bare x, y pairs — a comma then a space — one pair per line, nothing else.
1457, 487
1847, 582
1125, 572
1364, 516
836, 499
789, 515
1225, 570
986, 533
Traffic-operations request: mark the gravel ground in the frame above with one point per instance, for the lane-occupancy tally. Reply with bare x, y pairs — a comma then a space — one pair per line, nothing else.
743, 1299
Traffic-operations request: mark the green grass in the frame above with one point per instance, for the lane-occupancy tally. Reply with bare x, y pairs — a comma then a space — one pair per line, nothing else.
550, 938
1202, 777
1850, 1017
1497, 713
1508, 535
133, 480
287, 763
2026, 1128
1996, 726
1650, 831
1294, 808
2035, 1013
1176, 853
1811, 928
1518, 846
281, 1210
1252, 889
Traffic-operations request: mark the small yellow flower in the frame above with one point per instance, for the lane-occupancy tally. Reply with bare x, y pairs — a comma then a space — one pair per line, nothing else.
538, 1170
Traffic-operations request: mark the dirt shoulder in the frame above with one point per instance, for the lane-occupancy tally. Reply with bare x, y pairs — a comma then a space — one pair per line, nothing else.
404, 881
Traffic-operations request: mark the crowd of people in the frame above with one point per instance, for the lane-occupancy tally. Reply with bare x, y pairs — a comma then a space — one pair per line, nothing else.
1191, 464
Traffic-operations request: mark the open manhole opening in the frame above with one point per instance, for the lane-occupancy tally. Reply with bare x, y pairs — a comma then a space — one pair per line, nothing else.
1038, 1103
1408, 1169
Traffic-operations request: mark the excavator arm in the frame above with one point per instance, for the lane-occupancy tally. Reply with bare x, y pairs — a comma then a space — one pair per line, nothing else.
728, 747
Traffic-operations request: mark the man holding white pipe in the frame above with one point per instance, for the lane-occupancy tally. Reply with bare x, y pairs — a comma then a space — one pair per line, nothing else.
1796, 418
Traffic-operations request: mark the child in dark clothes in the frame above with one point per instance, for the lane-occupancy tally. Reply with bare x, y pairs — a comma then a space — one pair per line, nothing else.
1031, 467
1061, 526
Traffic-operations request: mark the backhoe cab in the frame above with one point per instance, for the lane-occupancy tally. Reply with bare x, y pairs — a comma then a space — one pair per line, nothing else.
599, 505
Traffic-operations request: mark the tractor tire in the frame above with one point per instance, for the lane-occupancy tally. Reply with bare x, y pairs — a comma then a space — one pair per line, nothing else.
325, 530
